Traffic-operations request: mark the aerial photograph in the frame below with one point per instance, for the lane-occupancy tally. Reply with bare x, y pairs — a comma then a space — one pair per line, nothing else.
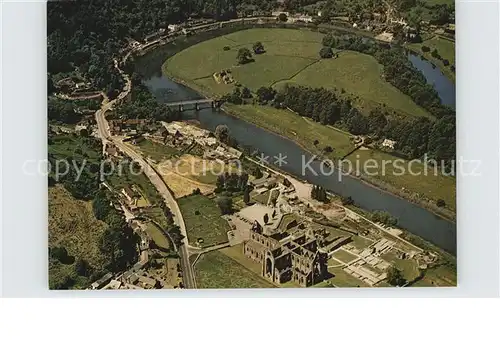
228, 144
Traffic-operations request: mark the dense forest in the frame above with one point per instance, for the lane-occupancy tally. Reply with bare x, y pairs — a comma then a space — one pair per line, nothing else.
86, 35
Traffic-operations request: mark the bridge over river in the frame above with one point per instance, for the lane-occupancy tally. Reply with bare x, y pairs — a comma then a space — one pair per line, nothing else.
197, 104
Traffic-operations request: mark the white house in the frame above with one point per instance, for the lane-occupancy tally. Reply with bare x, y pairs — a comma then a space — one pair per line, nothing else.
172, 27
389, 143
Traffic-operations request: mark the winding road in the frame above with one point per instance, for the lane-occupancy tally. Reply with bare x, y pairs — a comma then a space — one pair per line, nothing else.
104, 134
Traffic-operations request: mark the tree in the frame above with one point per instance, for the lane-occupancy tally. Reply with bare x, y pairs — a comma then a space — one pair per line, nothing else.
266, 219
330, 40
244, 56
282, 17
347, 201
101, 205
326, 52
265, 94
222, 132
246, 93
425, 48
225, 204
60, 254
82, 268
258, 48
395, 277
440, 203
246, 196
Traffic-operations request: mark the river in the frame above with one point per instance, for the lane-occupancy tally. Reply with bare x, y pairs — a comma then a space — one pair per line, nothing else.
411, 217
443, 85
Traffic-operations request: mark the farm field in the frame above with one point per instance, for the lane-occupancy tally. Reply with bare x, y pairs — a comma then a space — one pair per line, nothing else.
188, 173
428, 185
215, 270
291, 55
296, 128
207, 224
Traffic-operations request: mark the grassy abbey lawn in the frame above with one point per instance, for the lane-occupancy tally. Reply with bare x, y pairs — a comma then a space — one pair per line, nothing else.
215, 270
292, 55
207, 224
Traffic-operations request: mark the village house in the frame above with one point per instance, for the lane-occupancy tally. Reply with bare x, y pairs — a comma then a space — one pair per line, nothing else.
389, 143
129, 195
102, 282
153, 36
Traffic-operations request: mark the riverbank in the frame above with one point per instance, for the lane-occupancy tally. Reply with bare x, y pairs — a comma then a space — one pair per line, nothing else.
444, 47
423, 190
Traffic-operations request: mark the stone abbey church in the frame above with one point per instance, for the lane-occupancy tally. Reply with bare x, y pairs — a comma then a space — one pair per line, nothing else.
284, 257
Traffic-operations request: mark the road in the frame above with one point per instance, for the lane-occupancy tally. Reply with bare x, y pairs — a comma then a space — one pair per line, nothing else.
155, 179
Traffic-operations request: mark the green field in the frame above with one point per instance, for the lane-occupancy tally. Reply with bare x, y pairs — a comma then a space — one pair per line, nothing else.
291, 55
445, 48
344, 256
419, 184
207, 225
342, 279
439, 276
301, 130
215, 270
158, 237
360, 75
156, 151
261, 198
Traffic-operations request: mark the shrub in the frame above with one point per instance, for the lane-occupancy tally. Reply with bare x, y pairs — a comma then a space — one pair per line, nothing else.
326, 52
440, 203
425, 48
227, 48
446, 62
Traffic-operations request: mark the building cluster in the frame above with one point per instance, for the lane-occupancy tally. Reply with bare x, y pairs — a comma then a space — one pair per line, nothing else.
73, 86
132, 126
299, 256
224, 76
292, 18
139, 277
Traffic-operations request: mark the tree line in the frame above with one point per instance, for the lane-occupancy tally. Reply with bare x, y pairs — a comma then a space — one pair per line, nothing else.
86, 35
414, 136
144, 105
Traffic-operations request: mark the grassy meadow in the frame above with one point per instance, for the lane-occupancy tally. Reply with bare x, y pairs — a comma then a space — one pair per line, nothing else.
215, 270
301, 130
291, 56
420, 185
203, 220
